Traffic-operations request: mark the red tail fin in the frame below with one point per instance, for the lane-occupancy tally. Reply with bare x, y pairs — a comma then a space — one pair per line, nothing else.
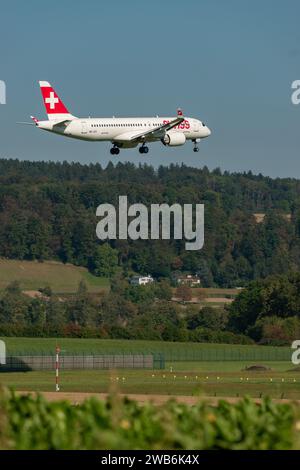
55, 108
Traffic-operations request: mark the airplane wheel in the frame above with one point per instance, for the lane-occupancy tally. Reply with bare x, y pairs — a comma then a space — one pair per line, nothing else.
196, 149
144, 149
114, 151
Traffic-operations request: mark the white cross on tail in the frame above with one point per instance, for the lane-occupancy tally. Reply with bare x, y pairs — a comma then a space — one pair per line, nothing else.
52, 100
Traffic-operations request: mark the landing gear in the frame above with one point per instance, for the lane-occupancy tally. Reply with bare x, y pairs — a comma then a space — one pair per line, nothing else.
115, 150
144, 149
195, 142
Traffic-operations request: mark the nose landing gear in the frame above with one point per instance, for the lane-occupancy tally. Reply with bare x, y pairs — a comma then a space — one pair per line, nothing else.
196, 147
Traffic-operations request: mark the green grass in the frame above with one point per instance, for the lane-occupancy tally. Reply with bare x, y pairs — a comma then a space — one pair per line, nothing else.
207, 380
171, 350
220, 304
191, 375
228, 367
215, 292
62, 278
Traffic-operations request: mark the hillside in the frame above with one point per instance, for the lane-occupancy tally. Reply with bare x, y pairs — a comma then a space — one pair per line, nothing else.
62, 278
48, 211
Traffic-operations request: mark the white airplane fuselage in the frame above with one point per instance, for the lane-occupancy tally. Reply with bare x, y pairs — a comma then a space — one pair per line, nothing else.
120, 129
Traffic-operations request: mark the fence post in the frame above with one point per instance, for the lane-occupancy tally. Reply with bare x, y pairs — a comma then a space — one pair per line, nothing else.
57, 351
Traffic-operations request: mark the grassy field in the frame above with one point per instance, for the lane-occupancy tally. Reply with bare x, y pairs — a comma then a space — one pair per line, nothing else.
215, 292
62, 278
171, 350
210, 297
207, 379
187, 376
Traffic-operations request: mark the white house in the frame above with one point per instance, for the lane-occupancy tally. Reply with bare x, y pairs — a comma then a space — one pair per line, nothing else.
141, 280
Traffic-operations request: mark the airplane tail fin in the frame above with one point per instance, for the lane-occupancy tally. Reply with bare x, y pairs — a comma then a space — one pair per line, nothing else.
55, 108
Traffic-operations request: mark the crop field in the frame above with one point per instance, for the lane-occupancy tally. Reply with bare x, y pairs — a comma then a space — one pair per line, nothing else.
62, 278
32, 422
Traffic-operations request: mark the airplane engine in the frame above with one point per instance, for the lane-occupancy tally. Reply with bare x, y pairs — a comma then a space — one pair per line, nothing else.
174, 139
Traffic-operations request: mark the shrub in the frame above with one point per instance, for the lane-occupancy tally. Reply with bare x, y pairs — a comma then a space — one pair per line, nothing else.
31, 423
206, 335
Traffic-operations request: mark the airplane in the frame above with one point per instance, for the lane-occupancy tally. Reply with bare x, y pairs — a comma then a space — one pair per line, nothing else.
123, 133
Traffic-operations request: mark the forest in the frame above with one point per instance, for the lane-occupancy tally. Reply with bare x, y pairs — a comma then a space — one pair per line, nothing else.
48, 211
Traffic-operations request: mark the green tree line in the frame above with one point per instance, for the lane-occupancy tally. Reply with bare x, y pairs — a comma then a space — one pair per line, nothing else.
266, 312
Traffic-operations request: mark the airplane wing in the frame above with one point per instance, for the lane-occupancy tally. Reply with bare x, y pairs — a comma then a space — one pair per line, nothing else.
155, 133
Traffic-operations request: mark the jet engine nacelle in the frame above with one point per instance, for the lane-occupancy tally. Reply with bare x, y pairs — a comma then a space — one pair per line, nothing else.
173, 139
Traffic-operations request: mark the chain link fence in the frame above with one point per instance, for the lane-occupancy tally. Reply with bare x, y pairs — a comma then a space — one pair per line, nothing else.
147, 359
256, 354
83, 362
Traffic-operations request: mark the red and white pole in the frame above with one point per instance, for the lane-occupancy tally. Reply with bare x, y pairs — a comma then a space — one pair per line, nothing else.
57, 350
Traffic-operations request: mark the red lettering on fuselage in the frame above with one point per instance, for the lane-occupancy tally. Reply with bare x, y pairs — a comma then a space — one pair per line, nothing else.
184, 125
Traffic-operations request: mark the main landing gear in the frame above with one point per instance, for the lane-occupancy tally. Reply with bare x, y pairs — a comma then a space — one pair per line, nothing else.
196, 148
144, 149
115, 150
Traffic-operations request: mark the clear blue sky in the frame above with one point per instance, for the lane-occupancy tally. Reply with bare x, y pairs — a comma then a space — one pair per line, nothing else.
230, 63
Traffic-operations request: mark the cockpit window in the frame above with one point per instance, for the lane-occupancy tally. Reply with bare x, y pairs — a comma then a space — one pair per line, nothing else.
203, 124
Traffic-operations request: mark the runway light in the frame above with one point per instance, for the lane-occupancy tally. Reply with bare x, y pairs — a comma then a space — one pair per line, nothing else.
206, 378
164, 376
123, 378
271, 380
196, 377
185, 377
282, 380
174, 376
242, 379
153, 375
218, 378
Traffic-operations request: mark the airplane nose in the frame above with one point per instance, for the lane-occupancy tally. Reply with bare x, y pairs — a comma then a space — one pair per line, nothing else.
208, 131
